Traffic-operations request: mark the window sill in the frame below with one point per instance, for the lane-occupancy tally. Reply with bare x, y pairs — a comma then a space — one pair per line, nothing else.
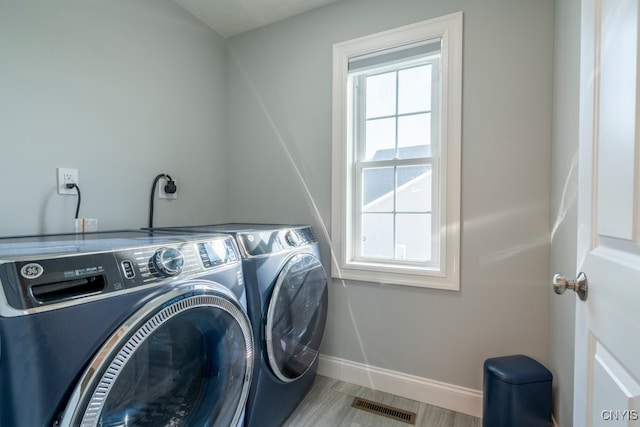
421, 278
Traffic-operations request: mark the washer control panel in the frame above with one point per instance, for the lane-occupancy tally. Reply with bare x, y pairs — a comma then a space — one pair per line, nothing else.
145, 265
30, 283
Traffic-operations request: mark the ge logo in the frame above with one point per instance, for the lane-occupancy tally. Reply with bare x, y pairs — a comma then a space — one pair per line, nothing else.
31, 271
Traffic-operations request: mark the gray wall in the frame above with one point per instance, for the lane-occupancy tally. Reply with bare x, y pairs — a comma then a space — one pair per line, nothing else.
563, 203
280, 164
122, 91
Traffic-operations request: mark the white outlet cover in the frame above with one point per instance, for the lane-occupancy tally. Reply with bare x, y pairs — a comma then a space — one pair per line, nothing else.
86, 225
162, 194
65, 175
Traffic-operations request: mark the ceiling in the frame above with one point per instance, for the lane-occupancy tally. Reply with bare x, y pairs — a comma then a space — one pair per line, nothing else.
231, 17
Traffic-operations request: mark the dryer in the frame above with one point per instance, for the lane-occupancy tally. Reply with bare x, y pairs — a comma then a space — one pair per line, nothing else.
287, 299
123, 328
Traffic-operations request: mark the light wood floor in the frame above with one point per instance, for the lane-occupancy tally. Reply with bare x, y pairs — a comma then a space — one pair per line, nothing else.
328, 404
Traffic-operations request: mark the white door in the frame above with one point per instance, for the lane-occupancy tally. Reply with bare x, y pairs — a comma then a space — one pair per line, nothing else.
607, 353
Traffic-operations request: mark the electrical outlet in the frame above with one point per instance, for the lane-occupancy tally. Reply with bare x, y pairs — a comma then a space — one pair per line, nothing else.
163, 194
86, 225
67, 176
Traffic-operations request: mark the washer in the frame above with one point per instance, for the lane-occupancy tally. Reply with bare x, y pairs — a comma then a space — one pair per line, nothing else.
287, 303
123, 328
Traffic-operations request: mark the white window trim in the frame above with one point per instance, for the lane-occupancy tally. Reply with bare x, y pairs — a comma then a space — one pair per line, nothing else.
449, 28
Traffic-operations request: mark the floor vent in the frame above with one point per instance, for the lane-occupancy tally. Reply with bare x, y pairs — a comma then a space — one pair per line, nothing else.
384, 410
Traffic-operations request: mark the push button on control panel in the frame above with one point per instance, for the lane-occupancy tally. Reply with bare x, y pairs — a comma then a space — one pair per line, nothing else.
127, 269
204, 256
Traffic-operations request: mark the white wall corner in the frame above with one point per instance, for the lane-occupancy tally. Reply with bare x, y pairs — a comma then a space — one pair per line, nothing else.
448, 396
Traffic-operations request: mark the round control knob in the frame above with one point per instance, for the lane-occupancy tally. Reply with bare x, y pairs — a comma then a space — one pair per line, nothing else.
168, 261
292, 238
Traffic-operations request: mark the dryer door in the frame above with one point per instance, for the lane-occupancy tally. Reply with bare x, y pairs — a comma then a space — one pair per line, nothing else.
296, 317
183, 359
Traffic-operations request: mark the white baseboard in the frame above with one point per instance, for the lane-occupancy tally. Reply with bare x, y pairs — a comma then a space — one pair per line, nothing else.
448, 396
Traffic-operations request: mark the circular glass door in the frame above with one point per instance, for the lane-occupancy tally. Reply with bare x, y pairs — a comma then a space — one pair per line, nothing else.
296, 317
184, 359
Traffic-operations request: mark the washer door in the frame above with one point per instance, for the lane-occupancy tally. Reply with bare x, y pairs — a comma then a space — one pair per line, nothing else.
184, 359
296, 317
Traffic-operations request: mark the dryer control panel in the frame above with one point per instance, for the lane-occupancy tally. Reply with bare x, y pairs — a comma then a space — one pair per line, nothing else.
265, 242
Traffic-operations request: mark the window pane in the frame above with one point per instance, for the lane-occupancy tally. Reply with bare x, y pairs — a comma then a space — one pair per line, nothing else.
413, 189
377, 190
377, 235
381, 95
413, 238
381, 139
414, 136
414, 90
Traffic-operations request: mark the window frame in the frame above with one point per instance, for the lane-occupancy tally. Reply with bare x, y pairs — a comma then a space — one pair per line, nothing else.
360, 164
446, 274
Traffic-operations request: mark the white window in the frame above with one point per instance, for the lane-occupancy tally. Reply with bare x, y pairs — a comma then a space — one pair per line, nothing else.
396, 155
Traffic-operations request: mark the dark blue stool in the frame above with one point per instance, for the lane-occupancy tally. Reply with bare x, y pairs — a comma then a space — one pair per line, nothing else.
517, 393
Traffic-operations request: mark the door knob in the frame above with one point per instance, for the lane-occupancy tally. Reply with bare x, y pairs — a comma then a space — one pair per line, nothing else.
580, 285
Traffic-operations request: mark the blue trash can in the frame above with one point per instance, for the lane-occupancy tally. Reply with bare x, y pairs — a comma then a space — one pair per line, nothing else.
517, 393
